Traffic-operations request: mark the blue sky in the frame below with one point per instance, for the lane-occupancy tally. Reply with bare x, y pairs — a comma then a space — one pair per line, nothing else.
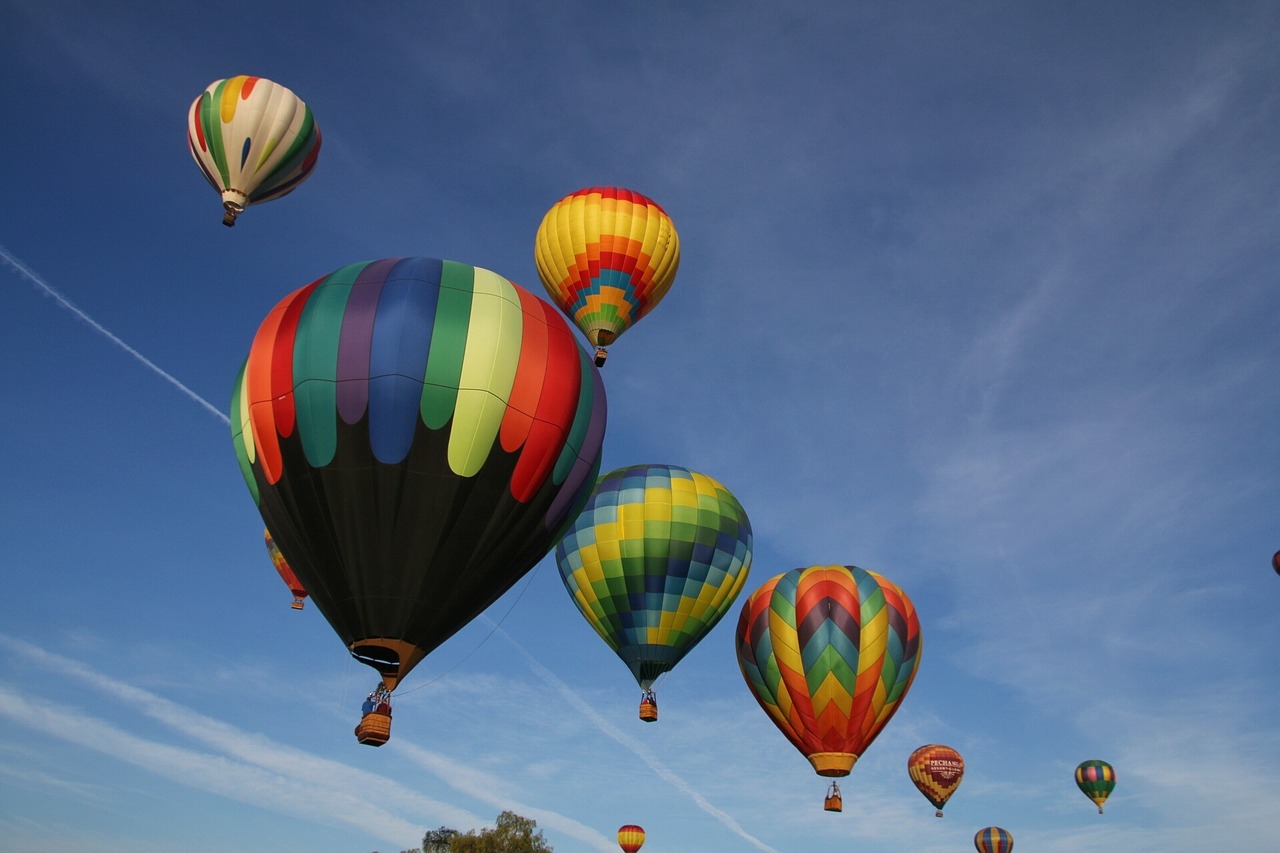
981, 296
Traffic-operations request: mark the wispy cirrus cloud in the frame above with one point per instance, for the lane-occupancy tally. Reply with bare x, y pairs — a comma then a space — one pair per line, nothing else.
243, 766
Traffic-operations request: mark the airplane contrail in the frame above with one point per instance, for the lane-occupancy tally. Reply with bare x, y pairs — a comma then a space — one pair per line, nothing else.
31, 276
641, 751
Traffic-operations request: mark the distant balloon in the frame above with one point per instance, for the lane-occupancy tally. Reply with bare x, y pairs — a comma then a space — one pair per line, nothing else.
829, 652
606, 256
1275, 562
1097, 779
417, 434
630, 838
656, 558
993, 839
936, 771
286, 573
255, 140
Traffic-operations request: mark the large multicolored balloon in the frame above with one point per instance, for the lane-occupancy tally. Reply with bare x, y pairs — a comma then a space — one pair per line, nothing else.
829, 652
607, 256
993, 839
285, 572
937, 771
654, 561
1097, 779
417, 434
630, 838
255, 140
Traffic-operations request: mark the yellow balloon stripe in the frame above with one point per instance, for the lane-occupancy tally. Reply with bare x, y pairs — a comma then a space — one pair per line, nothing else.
489, 367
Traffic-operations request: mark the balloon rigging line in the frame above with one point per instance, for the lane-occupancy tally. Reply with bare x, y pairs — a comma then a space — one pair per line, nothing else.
27, 273
486, 639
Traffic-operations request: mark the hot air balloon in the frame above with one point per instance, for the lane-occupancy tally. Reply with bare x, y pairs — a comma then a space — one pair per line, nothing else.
255, 140
607, 256
1275, 562
1096, 779
654, 561
630, 838
993, 839
829, 652
286, 573
936, 771
417, 434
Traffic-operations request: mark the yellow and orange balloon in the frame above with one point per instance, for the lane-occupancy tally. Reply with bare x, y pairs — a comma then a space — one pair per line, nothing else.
630, 838
606, 256
937, 771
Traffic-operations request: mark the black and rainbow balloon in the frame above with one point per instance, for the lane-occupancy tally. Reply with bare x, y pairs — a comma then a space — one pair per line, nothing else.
417, 434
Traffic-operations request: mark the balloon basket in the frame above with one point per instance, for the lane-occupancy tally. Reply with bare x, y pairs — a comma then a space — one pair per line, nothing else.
601, 355
230, 211
297, 604
938, 813
833, 802
374, 729
648, 711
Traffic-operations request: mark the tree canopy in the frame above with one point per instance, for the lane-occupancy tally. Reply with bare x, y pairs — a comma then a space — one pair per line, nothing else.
511, 834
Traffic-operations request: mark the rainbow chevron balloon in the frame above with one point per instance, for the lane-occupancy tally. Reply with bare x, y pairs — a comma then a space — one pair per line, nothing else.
829, 652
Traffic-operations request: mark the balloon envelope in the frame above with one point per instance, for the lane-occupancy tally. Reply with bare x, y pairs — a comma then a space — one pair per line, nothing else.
993, 839
829, 652
606, 255
416, 433
937, 771
285, 572
630, 838
1275, 562
1096, 779
654, 561
253, 139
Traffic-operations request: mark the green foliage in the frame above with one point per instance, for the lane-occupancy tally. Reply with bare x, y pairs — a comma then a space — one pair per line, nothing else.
512, 834
438, 840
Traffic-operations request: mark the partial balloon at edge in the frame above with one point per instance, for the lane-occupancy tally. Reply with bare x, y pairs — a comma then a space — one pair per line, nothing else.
630, 838
993, 839
285, 572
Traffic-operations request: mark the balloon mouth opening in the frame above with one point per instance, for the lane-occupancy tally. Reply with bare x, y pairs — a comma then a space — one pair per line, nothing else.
832, 763
391, 658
